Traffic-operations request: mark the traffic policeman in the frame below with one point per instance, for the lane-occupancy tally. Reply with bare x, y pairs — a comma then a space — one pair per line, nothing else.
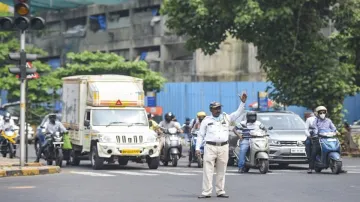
214, 130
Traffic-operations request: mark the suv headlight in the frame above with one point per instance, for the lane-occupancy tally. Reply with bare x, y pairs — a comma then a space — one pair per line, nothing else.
104, 138
150, 138
274, 142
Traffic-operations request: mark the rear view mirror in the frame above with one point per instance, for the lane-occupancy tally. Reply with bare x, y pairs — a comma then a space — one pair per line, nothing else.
270, 128
86, 123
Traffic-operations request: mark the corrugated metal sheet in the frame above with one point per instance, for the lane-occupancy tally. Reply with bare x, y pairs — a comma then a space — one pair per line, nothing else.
186, 99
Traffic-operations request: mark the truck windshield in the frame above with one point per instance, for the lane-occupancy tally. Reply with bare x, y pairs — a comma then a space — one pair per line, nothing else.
105, 117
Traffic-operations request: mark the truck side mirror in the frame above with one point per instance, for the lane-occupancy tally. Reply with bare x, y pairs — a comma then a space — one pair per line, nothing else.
86, 123
270, 128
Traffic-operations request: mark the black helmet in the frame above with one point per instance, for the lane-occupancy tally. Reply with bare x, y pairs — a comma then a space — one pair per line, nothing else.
52, 117
169, 114
251, 117
7, 116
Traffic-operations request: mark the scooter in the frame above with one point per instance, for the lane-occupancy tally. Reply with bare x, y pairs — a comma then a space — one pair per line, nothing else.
330, 152
258, 154
53, 150
172, 149
8, 143
192, 157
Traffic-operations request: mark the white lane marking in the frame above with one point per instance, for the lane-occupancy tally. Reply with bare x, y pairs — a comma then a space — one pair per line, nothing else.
167, 172
92, 174
195, 171
354, 172
132, 173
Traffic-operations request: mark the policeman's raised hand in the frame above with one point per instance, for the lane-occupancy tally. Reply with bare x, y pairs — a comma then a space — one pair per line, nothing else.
243, 97
197, 152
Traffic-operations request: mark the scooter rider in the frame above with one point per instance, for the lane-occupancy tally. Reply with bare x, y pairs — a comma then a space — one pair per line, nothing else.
168, 123
250, 123
320, 123
50, 127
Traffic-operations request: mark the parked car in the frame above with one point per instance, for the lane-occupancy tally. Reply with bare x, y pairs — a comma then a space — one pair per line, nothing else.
287, 138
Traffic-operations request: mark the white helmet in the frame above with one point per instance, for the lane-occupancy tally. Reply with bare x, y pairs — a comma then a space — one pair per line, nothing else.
320, 108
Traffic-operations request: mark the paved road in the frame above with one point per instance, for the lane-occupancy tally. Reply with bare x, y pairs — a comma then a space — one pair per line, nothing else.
137, 183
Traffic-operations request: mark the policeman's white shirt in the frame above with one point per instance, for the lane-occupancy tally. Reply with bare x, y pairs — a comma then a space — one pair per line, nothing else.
52, 128
216, 129
5, 125
309, 122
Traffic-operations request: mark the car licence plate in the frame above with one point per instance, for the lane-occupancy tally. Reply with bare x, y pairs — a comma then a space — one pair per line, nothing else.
130, 151
297, 151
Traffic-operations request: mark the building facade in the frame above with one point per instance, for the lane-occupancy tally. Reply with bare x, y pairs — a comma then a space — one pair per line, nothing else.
136, 30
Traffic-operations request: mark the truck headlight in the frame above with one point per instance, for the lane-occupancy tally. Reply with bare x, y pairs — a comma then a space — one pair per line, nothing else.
104, 138
274, 142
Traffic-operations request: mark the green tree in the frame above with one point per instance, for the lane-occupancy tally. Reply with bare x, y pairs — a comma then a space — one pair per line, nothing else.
37, 89
299, 60
88, 63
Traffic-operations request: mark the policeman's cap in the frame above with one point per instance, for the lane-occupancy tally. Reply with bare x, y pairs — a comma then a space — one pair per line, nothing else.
215, 105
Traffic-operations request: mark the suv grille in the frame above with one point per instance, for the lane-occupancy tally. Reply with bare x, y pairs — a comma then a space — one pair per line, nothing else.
123, 139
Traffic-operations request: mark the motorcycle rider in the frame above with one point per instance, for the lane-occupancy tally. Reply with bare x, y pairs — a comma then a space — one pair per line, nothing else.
250, 123
309, 132
168, 123
200, 117
6, 123
51, 127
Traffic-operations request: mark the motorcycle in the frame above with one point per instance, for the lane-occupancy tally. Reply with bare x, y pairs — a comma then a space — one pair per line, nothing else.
171, 151
8, 143
53, 150
258, 154
330, 152
192, 157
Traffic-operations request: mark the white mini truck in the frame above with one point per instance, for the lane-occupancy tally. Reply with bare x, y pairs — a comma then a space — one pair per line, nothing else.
107, 121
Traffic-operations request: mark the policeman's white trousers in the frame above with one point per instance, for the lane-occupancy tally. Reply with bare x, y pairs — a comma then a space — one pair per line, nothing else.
221, 154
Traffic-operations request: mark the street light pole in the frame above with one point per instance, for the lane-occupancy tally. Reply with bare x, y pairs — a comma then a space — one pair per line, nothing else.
22, 103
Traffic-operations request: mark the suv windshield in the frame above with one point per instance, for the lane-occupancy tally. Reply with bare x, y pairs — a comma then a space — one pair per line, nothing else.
104, 117
282, 121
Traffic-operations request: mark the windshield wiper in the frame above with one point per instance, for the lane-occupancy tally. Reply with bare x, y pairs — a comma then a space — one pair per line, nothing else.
114, 122
136, 124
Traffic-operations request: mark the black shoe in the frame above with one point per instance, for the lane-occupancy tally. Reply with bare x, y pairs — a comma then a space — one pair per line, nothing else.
203, 196
343, 171
223, 196
309, 171
241, 170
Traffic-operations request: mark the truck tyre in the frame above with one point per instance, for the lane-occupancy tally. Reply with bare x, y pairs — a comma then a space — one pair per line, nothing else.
153, 163
74, 158
97, 162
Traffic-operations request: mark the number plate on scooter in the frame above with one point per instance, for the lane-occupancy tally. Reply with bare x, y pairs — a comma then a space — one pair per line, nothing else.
58, 142
297, 151
331, 139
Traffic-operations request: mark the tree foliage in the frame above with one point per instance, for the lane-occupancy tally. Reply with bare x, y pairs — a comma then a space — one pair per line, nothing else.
88, 63
302, 64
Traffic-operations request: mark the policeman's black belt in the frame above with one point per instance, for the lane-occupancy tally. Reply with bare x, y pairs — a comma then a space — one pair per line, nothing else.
216, 143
